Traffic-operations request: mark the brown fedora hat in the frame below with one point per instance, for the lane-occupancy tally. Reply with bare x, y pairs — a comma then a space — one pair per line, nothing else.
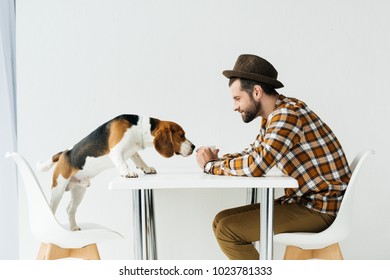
252, 67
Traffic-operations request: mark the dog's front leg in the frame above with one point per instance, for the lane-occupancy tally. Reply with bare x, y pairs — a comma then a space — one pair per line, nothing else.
142, 165
120, 163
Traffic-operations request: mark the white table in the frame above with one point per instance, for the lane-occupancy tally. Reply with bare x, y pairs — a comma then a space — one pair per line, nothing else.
144, 226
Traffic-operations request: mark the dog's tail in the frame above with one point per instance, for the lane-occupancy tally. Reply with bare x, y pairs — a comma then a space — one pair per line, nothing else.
45, 166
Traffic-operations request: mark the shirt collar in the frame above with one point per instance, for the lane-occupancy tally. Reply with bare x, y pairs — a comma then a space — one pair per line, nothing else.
279, 101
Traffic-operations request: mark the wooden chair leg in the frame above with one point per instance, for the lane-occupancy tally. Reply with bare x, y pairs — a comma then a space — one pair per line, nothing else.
89, 252
296, 253
332, 252
53, 252
42, 251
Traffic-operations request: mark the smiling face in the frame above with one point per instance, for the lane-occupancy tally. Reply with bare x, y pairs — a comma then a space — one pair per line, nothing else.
170, 139
244, 103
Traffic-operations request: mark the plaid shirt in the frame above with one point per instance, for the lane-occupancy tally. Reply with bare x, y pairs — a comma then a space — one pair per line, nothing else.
294, 139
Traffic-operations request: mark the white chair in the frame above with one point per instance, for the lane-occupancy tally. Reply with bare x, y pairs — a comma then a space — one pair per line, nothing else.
57, 241
325, 244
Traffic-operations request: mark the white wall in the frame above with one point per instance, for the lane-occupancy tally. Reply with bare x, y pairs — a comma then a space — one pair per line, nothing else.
81, 63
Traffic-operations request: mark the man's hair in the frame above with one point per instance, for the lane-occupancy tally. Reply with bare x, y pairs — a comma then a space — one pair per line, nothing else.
247, 86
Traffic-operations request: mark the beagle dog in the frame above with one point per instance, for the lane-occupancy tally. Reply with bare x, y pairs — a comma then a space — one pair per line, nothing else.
111, 144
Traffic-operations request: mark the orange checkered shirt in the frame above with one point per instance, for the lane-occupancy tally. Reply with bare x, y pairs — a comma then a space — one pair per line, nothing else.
300, 144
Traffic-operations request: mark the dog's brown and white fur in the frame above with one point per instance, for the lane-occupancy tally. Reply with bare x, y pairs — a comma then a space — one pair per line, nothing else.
111, 145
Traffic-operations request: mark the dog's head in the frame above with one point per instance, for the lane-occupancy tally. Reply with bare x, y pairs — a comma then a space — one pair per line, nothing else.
170, 139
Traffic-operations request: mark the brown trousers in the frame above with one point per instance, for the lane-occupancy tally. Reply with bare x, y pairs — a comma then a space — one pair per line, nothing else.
236, 228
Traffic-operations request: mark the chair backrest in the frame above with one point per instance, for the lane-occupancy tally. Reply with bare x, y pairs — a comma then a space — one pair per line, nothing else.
40, 214
343, 221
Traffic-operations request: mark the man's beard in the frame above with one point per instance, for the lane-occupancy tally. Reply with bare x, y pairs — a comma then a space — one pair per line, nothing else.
251, 111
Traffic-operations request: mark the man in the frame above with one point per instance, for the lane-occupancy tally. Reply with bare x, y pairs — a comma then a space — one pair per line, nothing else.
292, 138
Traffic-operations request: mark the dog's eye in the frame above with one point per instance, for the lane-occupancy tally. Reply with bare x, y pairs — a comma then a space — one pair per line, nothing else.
182, 136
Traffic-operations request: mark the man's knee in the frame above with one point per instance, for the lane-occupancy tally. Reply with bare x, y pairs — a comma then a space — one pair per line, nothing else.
218, 217
225, 228
219, 221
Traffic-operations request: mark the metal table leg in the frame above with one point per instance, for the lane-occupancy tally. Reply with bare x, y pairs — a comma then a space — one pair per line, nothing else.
150, 229
251, 196
266, 218
137, 224
145, 247
266, 224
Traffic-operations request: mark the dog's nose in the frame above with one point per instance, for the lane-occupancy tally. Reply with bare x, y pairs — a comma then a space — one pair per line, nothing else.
192, 146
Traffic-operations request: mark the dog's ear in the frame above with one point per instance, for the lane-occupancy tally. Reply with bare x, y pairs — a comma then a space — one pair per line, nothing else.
163, 142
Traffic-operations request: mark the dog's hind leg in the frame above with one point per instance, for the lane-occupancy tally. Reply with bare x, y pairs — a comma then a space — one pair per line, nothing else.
77, 193
61, 179
57, 191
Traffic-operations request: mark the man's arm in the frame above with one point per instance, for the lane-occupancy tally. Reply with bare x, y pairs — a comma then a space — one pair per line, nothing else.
206, 155
235, 155
282, 133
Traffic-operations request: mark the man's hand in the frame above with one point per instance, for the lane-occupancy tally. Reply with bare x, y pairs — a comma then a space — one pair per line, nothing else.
206, 154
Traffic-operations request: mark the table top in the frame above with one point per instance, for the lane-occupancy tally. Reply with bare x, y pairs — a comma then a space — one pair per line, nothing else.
196, 179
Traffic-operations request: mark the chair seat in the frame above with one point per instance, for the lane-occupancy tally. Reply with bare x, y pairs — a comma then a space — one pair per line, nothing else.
90, 233
307, 240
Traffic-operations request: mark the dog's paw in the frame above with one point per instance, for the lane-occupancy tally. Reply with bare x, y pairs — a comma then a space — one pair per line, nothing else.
130, 175
75, 228
149, 170
85, 183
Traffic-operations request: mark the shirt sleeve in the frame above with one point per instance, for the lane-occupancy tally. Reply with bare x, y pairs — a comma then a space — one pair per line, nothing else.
283, 131
245, 152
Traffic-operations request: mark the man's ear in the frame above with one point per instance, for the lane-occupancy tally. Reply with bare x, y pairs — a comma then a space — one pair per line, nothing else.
257, 92
163, 142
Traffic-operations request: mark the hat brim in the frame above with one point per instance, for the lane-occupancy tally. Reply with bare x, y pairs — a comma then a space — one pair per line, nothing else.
255, 77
